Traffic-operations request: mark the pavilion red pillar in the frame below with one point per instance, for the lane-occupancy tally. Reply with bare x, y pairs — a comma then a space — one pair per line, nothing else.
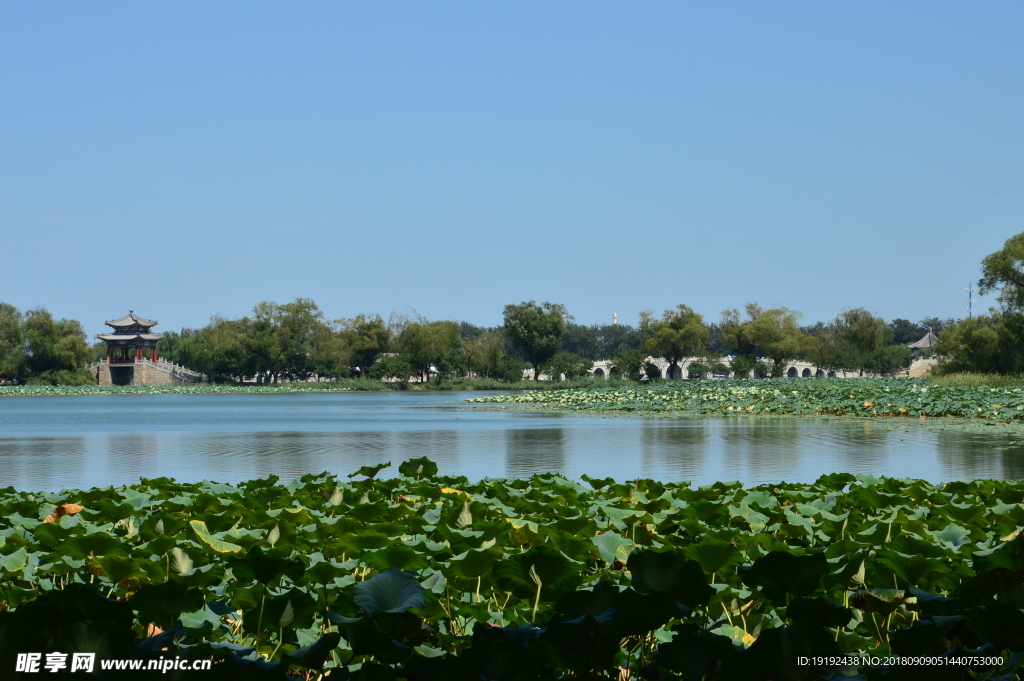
138, 353
109, 351
152, 354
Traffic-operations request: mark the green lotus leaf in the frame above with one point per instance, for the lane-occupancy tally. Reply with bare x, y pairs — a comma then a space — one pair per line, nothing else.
370, 471
418, 468
952, 536
162, 604
265, 567
397, 556
612, 546
474, 563
714, 555
315, 655
117, 569
217, 544
816, 612
89, 545
365, 637
670, 574
14, 561
541, 567
293, 609
389, 591
779, 573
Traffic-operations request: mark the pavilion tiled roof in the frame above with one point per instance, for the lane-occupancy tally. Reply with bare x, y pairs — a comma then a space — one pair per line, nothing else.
929, 340
120, 337
131, 319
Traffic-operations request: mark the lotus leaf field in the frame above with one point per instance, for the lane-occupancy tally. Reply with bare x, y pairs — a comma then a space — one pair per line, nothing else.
423, 577
888, 397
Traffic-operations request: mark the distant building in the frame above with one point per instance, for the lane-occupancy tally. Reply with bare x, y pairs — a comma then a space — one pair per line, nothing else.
132, 356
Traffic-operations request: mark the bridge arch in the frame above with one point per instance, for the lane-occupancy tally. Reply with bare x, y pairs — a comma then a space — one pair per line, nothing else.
792, 373
806, 373
599, 372
652, 371
819, 374
674, 371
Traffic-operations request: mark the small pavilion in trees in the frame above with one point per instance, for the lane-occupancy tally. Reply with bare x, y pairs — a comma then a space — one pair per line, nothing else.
131, 340
927, 341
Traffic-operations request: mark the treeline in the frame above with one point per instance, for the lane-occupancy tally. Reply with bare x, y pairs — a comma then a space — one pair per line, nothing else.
35, 348
295, 341
991, 343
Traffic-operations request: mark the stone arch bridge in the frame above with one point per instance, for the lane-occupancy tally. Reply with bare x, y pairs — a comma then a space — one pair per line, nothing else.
794, 369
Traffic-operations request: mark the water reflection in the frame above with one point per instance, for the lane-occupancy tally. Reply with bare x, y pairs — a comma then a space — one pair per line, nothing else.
673, 449
971, 455
534, 450
85, 442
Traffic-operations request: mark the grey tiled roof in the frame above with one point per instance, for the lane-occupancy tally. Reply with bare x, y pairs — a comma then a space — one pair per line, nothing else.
131, 320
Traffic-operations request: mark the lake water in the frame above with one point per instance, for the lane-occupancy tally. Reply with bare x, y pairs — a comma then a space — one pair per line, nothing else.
49, 443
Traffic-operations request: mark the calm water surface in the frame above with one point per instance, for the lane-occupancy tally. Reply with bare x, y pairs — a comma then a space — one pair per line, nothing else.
49, 443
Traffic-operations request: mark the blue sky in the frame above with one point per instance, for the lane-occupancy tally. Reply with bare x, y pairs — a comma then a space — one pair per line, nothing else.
191, 159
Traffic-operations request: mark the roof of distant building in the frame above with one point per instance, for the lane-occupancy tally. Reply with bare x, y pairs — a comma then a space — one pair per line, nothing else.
131, 319
121, 337
927, 341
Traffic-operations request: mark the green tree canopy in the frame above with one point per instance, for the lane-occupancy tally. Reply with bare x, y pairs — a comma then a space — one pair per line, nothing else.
536, 330
56, 349
13, 364
367, 337
1003, 271
680, 333
986, 344
430, 344
279, 339
772, 334
216, 349
630, 364
569, 365
484, 353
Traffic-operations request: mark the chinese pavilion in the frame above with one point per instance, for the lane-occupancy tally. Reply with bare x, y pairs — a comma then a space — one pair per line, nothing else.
132, 340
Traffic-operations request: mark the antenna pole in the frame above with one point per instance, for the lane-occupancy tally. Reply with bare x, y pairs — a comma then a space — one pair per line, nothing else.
970, 300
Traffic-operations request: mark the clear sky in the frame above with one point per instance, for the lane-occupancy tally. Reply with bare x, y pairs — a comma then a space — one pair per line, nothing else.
191, 159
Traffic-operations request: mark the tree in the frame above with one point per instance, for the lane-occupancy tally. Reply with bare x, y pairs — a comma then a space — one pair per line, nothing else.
630, 364
56, 349
367, 337
279, 338
1003, 271
427, 344
772, 334
680, 333
13, 363
484, 353
216, 350
332, 356
601, 341
536, 330
856, 340
509, 368
568, 364
986, 344
392, 366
